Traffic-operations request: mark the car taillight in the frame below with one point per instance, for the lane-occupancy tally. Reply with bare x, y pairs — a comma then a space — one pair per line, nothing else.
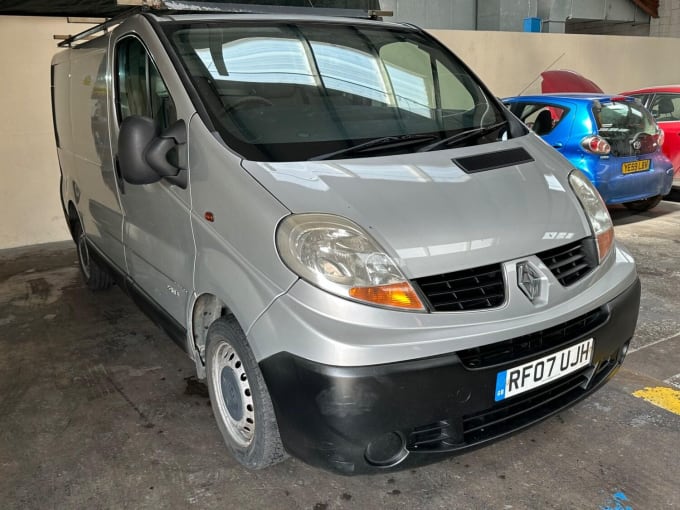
596, 145
660, 137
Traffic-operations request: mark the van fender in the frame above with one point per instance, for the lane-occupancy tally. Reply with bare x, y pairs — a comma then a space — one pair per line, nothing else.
226, 284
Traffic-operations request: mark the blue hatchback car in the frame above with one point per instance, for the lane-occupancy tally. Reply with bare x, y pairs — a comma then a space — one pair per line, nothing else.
614, 140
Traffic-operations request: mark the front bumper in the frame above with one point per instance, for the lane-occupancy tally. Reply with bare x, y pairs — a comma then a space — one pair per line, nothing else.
355, 420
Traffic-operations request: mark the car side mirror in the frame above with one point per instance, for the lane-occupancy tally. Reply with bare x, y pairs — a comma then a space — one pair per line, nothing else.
143, 151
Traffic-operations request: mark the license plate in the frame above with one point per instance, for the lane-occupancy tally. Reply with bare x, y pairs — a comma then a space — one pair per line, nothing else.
536, 373
641, 165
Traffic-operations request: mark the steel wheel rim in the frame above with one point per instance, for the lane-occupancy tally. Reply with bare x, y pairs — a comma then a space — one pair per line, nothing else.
227, 369
84, 256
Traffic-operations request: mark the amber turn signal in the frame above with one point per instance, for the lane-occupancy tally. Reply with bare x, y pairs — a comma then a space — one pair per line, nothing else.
397, 295
604, 243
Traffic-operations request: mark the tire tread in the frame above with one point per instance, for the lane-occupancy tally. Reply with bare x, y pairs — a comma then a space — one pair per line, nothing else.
644, 204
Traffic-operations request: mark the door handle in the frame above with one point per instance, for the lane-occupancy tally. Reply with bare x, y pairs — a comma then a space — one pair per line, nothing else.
557, 145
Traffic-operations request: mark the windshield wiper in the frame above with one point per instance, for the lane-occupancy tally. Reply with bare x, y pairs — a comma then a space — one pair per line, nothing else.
384, 142
464, 135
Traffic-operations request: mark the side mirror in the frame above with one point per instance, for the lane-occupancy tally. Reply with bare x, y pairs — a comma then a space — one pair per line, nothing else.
143, 152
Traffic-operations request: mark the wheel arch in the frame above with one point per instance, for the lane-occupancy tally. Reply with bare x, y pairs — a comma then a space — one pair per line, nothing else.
205, 309
72, 219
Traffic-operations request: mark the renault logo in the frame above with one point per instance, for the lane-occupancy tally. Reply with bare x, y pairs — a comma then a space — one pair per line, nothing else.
528, 280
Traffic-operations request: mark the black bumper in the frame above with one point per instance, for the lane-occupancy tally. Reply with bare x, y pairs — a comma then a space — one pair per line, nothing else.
355, 420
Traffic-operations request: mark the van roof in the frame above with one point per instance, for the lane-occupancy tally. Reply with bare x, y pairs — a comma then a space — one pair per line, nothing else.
167, 10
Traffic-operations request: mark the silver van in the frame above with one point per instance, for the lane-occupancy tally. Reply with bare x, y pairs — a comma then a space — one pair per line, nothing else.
372, 262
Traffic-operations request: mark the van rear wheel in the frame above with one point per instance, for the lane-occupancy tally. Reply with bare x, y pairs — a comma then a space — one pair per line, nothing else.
239, 397
96, 277
643, 205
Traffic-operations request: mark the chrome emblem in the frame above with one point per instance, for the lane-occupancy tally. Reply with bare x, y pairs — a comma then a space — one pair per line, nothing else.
637, 145
528, 280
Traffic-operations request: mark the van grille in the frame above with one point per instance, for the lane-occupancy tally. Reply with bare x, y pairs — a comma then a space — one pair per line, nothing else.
527, 409
433, 436
571, 262
470, 289
508, 416
535, 343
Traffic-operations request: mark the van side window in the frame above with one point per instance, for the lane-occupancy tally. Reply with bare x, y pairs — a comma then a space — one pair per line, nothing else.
140, 88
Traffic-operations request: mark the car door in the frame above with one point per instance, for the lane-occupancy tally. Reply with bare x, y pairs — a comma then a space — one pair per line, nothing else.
157, 235
665, 108
87, 142
548, 120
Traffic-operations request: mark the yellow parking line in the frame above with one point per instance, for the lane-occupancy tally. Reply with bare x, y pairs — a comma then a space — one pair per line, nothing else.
666, 398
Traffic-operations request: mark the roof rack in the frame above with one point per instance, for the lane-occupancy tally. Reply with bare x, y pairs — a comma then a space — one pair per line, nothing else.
180, 6
89, 34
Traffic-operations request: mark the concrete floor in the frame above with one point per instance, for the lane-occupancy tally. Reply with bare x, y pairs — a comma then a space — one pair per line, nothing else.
96, 411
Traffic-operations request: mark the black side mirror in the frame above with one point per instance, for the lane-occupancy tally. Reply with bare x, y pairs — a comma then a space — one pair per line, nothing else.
143, 152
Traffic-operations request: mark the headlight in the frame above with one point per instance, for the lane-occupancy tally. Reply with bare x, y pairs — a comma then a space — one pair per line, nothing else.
596, 210
338, 256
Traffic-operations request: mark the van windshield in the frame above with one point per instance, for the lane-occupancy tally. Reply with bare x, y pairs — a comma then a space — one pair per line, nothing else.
281, 91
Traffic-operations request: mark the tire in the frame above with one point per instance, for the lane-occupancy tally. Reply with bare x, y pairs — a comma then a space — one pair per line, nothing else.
643, 205
96, 277
240, 399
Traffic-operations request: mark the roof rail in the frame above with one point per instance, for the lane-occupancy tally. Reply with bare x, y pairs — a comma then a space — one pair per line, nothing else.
181, 6
256, 8
89, 34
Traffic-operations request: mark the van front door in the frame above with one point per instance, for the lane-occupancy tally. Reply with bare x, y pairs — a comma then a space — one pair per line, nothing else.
159, 246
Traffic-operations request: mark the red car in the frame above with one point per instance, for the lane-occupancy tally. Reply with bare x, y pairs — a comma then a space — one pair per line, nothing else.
664, 103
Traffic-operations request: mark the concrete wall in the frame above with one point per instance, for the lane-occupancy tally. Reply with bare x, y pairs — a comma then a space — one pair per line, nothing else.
556, 13
607, 28
449, 14
508, 62
668, 22
29, 192
504, 14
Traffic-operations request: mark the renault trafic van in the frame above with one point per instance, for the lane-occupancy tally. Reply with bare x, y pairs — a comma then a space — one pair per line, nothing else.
372, 262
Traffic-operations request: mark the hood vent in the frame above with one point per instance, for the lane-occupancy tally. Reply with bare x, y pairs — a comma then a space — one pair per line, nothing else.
493, 160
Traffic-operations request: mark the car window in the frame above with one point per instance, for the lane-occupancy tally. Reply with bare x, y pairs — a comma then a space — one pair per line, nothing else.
665, 107
293, 91
627, 126
542, 118
140, 88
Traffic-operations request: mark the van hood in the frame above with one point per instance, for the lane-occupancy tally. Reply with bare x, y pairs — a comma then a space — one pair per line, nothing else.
430, 215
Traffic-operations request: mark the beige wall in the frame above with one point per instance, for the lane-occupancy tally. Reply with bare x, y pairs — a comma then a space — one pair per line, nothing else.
29, 192
509, 61
30, 212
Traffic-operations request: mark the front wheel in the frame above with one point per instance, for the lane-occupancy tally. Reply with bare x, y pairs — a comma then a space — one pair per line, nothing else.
240, 399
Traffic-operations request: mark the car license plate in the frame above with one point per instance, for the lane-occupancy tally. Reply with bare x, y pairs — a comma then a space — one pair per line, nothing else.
536, 373
641, 165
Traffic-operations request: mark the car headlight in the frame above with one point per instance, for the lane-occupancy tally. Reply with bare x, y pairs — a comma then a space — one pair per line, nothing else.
336, 255
596, 211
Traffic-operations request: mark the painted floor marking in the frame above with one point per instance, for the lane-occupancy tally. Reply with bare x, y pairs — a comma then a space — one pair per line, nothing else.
671, 337
674, 381
618, 502
665, 398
